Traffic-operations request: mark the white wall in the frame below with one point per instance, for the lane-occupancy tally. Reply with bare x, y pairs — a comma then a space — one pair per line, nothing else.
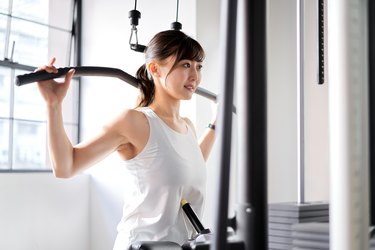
316, 123
208, 35
40, 212
282, 107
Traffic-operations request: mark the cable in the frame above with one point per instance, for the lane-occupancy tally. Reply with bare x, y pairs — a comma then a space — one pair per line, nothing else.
178, 4
176, 25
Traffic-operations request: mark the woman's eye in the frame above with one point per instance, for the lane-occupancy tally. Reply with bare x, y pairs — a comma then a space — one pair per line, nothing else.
186, 65
200, 67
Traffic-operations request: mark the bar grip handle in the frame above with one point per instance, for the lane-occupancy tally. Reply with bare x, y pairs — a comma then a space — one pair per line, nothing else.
80, 71
40, 76
193, 218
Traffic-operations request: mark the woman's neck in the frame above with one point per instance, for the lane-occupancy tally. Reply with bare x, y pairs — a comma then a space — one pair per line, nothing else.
167, 110
164, 105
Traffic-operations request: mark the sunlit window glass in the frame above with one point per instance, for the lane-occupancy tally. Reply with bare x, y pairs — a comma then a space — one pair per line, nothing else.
5, 75
72, 132
70, 104
3, 25
30, 42
33, 10
29, 145
28, 103
4, 143
31, 32
58, 46
4, 6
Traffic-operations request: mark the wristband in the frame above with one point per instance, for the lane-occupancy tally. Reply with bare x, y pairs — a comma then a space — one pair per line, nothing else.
211, 126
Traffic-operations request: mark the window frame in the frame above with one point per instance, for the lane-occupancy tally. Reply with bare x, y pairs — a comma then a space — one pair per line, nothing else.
75, 36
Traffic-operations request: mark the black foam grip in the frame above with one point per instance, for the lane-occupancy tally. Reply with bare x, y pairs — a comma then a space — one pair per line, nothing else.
40, 76
80, 71
193, 217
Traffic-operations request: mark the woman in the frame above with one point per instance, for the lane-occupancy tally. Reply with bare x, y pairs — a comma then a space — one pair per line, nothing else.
159, 147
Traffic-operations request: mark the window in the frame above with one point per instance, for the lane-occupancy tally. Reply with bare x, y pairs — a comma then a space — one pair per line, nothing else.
31, 32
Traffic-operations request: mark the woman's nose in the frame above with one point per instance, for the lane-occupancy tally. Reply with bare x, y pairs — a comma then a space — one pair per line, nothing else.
194, 73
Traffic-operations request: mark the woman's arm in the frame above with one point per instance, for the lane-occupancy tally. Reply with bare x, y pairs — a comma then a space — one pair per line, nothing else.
206, 141
128, 128
67, 160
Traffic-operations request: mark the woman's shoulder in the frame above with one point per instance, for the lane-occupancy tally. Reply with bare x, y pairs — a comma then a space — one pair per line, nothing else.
131, 124
128, 119
188, 121
190, 124
133, 117
131, 113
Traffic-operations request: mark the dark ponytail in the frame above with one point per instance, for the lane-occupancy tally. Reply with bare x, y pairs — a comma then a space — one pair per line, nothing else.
146, 87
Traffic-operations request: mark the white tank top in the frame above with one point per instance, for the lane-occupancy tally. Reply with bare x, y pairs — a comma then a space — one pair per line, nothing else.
170, 167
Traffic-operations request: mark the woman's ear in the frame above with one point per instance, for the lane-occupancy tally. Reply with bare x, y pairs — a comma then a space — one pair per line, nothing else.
153, 69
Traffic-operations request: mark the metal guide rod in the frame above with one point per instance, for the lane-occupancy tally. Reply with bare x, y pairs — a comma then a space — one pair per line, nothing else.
320, 30
348, 123
228, 45
251, 83
300, 102
251, 212
371, 42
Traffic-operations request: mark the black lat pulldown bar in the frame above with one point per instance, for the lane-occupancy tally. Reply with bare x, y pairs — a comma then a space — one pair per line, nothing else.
94, 71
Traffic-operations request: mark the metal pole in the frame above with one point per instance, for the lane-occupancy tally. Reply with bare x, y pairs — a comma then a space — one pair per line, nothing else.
300, 102
348, 124
228, 33
252, 209
371, 24
7, 32
78, 58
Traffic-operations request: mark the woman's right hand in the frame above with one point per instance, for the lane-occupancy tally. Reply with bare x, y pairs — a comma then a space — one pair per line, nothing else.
52, 91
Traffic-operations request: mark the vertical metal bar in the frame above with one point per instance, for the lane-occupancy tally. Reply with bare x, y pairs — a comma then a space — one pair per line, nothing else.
348, 123
78, 32
300, 102
228, 45
69, 55
371, 28
8, 26
320, 46
11, 121
252, 210
78, 58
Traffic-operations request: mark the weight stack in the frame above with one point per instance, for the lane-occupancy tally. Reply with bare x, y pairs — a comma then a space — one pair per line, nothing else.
313, 235
282, 216
372, 243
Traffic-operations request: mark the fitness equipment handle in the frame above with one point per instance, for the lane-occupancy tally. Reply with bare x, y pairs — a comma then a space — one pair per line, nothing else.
93, 71
192, 216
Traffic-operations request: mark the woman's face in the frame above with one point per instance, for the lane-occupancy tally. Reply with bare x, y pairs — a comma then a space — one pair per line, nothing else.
181, 81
